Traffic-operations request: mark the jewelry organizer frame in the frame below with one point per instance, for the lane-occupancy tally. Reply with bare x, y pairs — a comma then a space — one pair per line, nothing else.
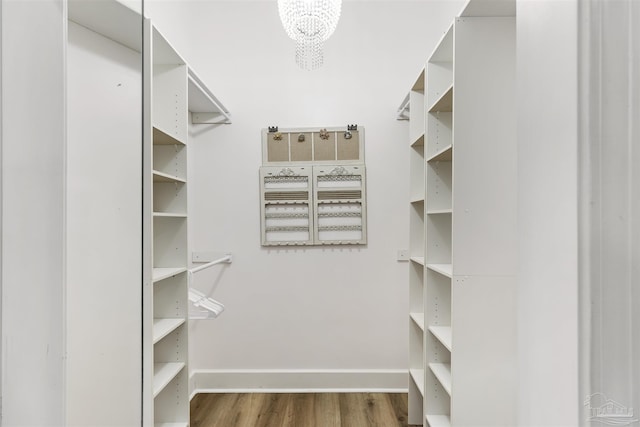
313, 187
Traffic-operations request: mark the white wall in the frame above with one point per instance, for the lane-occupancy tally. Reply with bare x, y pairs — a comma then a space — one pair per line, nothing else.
547, 203
610, 106
33, 188
331, 308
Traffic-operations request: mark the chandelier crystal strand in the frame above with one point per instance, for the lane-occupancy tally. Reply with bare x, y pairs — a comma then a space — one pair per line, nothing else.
309, 55
309, 23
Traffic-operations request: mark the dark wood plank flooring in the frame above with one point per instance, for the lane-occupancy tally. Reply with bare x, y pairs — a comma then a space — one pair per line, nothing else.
299, 410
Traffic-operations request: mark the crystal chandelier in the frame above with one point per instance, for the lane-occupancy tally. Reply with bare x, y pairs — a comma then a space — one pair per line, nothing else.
309, 23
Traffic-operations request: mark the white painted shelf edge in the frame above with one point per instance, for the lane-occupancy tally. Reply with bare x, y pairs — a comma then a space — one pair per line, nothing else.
419, 141
161, 273
417, 199
163, 373
443, 334
418, 259
438, 420
443, 154
163, 327
439, 211
165, 177
417, 376
418, 319
442, 372
444, 269
169, 215
162, 137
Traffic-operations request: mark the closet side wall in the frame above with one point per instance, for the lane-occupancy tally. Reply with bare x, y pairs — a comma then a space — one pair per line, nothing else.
104, 231
547, 213
33, 189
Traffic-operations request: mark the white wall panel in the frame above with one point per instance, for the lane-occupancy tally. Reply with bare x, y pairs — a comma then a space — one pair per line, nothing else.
104, 231
484, 196
610, 233
33, 189
547, 213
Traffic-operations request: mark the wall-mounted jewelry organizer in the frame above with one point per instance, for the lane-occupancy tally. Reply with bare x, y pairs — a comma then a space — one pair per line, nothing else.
312, 186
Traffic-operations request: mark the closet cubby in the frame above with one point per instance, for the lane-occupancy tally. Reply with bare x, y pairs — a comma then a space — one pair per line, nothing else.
438, 240
170, 161
173, 399
439, 186
416, 170
440, 71
439, 136
169, 197
461, 222
416, 224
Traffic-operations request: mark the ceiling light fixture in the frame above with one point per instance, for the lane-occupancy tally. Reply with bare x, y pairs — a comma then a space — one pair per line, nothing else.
310, 23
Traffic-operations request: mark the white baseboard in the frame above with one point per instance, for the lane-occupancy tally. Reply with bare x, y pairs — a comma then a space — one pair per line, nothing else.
298, 381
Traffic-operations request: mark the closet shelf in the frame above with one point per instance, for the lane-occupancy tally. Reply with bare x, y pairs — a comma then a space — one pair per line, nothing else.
419, 141
162, 273
442, 372
163, 327
439, 211
438, 420
160, 137
417, 375
204, 106
418, 319
169, 215
165, 177
442, 334
444, 103
163, 373
443, 155
418, 199
444, 269
418, 259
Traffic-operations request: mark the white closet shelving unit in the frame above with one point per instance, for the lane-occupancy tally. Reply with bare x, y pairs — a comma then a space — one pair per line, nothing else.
416, 251
462, 340
174, 96
173, 99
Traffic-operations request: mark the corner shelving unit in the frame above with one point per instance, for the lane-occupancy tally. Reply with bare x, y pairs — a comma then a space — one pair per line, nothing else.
174, 96
462, 342
415, 107
438, 230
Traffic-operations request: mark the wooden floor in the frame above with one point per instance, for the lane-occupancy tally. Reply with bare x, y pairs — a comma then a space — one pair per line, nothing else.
299, 410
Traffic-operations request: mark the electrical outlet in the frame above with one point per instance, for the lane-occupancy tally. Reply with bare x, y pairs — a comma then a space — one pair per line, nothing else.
403, 255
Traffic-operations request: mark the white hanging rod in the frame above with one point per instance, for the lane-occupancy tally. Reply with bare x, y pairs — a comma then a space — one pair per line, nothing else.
227, 259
